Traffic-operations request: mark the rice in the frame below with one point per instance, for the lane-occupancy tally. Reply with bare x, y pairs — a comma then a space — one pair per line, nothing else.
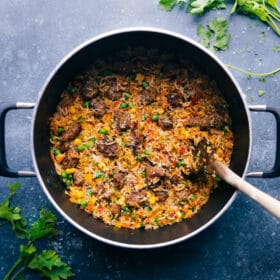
132, 137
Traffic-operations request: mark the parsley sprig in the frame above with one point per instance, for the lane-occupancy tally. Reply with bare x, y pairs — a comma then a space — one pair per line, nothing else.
194, 7
264, 10
47, 263
218, 27
197, 7
12, 214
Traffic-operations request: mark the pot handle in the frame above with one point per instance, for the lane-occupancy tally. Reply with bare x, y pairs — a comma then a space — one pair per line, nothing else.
275, 170
4, 168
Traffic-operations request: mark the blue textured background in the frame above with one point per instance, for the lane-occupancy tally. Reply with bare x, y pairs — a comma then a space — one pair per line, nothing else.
34, 36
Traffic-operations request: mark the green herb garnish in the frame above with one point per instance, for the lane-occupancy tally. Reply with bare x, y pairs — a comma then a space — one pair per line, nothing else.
276, 48
86, 104
218, 27
192, 197
197, 7
265, 10
145, 84
47, 263
168, 5
180, 163
144, 174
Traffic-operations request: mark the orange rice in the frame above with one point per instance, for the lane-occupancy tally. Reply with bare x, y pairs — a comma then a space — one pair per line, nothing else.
143, 200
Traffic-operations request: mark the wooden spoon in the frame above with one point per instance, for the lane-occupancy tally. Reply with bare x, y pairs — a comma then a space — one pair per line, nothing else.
266, 201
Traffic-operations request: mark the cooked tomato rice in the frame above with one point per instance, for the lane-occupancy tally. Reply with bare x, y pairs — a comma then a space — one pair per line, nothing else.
132, 137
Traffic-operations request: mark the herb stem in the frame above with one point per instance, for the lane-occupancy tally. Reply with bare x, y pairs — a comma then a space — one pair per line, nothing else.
12, 269
18, 273
249, 73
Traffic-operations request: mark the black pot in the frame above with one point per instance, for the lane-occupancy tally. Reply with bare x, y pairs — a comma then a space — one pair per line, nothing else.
79, 60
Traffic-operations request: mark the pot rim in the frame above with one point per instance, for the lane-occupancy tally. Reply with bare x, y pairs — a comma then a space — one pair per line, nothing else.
73, 53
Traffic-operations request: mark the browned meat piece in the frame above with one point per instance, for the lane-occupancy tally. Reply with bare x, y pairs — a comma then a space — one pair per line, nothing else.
71, 133
216, 131
107, 194
161, 195
165, 122
107, 147
174, 98
70, 160
98, 107
90, 89
54, 129
79, 82
99, 189
124, 67
170, 70
66, 101
119, 179
147, 96
207, 121
154, 174
64, 146
113, 93
123, 120
115, 209
176, 180
78, 178
201, 156
183, 194
137, 140
135, 198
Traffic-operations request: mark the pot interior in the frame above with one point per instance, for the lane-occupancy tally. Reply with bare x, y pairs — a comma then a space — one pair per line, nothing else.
78, 62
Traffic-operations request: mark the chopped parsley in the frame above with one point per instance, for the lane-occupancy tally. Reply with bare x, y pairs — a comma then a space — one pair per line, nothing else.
276, 48
180, 163
261, 93
145, 84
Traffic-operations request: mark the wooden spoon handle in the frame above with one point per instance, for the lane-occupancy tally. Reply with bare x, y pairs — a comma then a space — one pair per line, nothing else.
266, 201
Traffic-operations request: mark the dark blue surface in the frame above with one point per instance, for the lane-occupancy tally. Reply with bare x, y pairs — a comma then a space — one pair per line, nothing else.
34, 36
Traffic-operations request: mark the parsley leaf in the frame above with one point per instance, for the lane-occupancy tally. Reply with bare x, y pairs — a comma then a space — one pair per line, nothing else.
205, 34
47, 263
50, 265
197, 7
168, 5
266, 10
43, 227
12, 214
219, 26
26, 253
